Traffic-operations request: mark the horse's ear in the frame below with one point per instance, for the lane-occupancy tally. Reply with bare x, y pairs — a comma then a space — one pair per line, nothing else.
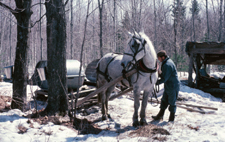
142, 30
130, 34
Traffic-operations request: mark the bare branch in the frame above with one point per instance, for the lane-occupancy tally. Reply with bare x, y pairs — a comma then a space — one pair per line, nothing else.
66, 2
38, 20
36, 4
9, 8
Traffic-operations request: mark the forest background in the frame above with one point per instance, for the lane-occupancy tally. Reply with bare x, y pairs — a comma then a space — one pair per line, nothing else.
169, 24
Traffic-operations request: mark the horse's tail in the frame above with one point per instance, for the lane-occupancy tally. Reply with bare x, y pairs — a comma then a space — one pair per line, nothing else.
97, 83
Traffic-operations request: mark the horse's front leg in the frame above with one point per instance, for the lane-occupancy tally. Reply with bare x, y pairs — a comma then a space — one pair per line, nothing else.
136, 107
143, 108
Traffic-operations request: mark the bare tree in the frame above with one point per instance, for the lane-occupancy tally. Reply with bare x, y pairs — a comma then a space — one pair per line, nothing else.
207, 18
223, 21
71, 30
220, 21
100, 6
40, 33
22, 14
155, 33
114, 25
56, 50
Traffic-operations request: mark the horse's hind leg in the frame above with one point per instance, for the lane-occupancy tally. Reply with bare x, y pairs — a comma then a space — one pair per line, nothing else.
143, 108
108, 93
103, 98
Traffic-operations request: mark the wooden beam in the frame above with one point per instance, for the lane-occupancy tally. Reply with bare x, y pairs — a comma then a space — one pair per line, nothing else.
120, 94
205, 48
107, 85
197, 61
190, 83
207, 51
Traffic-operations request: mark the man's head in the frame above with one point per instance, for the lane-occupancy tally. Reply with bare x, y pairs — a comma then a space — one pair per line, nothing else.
161, 55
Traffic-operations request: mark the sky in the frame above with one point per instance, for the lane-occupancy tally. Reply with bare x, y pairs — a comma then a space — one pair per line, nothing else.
187, 127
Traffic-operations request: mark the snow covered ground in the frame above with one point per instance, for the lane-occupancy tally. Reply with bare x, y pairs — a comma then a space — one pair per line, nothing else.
188, 126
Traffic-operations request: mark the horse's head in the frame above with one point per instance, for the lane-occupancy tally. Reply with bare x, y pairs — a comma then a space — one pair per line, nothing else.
134, 51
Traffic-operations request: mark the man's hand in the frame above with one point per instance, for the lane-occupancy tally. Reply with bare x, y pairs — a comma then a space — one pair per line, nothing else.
157, 82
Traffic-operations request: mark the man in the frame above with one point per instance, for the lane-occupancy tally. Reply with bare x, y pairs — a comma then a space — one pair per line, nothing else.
171, 86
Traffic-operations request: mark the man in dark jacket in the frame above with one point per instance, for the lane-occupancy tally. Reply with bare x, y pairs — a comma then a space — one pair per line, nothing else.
171, 86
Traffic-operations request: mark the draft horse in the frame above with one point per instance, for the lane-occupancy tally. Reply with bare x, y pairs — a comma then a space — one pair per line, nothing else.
139, 54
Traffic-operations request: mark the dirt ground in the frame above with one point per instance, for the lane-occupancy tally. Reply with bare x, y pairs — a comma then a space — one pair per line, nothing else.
5, 103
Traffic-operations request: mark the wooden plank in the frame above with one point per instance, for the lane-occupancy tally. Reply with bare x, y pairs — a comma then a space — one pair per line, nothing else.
120, 94
107, 85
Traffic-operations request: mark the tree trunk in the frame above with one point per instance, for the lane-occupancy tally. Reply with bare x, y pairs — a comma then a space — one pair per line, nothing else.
193, 21
10, 38
82, 49
207, 18
175, 24
223, 21
56, 51
114, 26
100, 6
139, 20
20, 75
220, 21
155, 39
71, 30
40, 35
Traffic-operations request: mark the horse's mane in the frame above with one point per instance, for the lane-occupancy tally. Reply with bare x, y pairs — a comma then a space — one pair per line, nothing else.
151, 47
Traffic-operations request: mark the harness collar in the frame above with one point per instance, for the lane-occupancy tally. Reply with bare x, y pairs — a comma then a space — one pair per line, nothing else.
142, 67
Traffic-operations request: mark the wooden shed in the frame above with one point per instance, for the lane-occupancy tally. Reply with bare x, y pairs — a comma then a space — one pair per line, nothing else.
201, 54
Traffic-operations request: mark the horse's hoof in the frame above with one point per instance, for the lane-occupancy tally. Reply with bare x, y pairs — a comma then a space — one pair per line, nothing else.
143, 122
136, 124
104, 118
109, 116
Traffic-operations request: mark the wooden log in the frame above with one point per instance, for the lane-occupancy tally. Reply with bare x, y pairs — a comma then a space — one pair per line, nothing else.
107, 85
190, 109
120, 94
84, 93
179, 105
130, 89
205, 107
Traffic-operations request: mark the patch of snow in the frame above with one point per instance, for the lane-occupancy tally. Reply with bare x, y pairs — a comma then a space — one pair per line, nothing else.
210, 126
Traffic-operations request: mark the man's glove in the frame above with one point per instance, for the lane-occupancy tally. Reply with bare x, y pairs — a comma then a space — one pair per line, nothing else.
157, 82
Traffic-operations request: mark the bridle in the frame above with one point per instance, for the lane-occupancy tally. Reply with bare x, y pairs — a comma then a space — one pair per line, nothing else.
135, 48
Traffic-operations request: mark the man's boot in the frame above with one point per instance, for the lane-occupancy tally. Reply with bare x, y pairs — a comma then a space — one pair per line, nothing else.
159, 115
172, 116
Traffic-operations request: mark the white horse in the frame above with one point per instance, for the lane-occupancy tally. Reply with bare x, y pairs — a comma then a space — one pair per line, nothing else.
139, 54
